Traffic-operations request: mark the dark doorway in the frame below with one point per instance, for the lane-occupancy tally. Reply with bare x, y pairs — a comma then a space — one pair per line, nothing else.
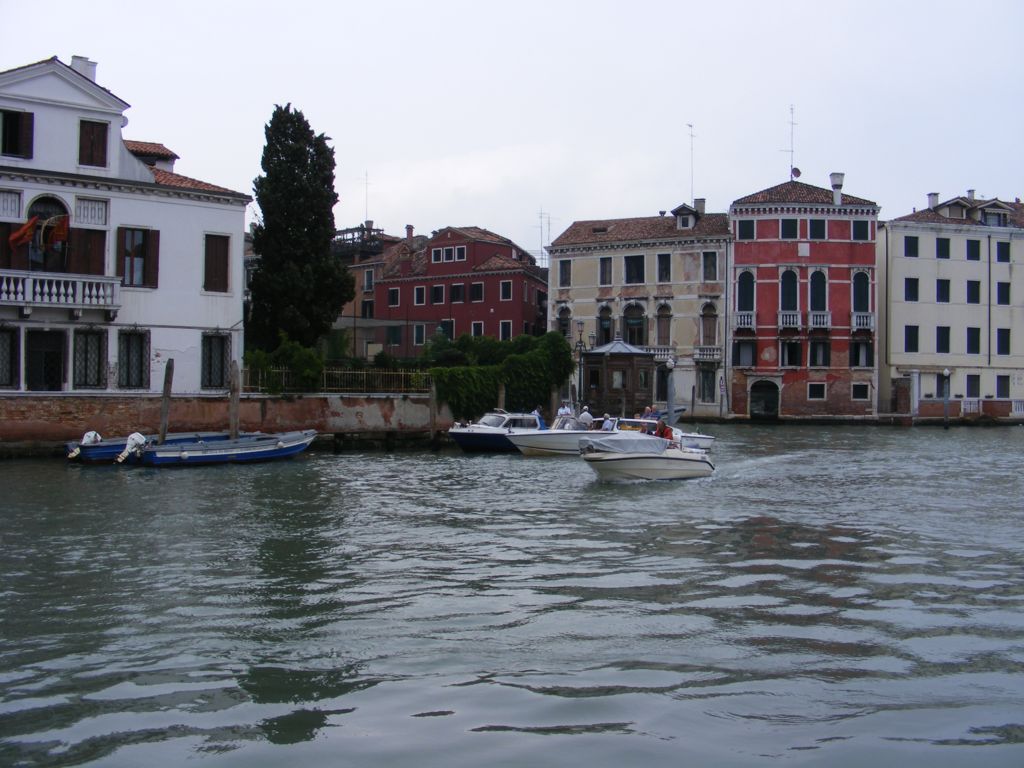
44, 360
764, 400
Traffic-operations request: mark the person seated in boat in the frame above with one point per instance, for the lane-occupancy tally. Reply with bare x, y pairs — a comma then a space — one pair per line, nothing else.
648, 411
661, 429
608, 424
585, 418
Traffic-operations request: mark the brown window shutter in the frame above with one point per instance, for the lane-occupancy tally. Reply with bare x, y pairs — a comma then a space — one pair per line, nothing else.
97, 240
5, 246
84, 156
216, 268
119, 253
77, 258
26, 131
152, 266
99, 144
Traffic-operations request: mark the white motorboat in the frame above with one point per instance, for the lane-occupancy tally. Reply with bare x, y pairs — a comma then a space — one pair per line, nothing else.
563, 439
638, 456
490, 434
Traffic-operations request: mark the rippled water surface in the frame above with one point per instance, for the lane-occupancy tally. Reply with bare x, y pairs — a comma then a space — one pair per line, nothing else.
831, 596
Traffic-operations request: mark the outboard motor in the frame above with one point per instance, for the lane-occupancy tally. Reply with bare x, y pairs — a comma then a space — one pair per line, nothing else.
88, 438
135, 442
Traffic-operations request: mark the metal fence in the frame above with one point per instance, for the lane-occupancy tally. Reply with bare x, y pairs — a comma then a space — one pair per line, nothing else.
337, 380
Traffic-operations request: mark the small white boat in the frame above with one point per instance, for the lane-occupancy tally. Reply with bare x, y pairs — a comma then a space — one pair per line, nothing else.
563, 439
638, 456
490, 434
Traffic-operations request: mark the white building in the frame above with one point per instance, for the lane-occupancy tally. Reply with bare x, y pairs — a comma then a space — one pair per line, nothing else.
110, 263
955, 320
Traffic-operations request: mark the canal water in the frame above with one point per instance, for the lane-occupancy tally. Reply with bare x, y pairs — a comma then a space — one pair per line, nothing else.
837, 596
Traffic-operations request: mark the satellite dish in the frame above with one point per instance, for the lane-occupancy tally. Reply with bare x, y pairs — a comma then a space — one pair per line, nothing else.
794, 173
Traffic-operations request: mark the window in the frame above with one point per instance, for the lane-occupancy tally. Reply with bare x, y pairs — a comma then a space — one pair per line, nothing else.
816, 390
618, 379
505, 290
860, 391
910, 289
419, 295
820, 356
941, 385
745, 229
460, 253
215, 271
216, 360
458, 293
605, 271
449, 253
910, 338
1003, 386
604, 326
419, 334
664, 267
16, 132
447, 329
1003, 252
435, 255
635, 326
477, 328
973, 291
974, 250
744, 353
745, 292
788, 229
138, 256
663, 326
819, 292
942, 339
973, 384
393, 337
133, 360
437, 294
90, 364
816, 229
564, 273
394, 296
8, 358
974, 341
709, 261
366, 309
861, 292
476, 292
1002, 341
634, 269
92, 144
1002, 293
367, 279
792, 354
942, 291
505, 329
787, 291
861, 354
942, 248
861, 230
910, 246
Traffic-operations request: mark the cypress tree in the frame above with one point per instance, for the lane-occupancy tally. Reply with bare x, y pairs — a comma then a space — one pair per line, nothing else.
298, 287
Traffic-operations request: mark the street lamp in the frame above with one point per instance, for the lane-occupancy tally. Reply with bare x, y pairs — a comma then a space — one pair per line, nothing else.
580, 346
670, 406
945, 398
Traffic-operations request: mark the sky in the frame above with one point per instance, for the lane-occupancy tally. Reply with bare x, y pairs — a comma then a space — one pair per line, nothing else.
524, 117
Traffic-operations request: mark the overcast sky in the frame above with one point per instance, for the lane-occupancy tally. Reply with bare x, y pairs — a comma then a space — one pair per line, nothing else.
488, 114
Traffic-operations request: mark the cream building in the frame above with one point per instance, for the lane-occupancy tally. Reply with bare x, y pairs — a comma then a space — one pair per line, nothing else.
955, 308
659, 283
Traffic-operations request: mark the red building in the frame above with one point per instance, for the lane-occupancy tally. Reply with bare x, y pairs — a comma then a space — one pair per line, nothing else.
462, 280
804, 302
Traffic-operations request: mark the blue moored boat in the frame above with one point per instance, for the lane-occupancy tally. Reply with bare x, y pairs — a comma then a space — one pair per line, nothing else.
247, 448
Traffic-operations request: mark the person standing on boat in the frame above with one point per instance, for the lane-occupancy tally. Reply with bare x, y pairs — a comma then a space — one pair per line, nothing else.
565, 410
540, 418
585, 418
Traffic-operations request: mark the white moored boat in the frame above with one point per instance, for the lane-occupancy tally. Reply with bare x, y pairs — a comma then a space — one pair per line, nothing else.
563, 439
636, 456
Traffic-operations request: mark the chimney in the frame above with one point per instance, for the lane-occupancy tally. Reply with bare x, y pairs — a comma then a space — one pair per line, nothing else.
408, 235
837, 187
369, 224
84, 67
698, 204
970, 194
933, 200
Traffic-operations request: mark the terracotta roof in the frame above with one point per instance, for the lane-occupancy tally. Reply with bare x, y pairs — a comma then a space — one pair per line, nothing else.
798, 192
931, 215
168, 179
645, 228
150, 149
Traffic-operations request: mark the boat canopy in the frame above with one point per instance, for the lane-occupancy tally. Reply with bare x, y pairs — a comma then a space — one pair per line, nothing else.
623, 442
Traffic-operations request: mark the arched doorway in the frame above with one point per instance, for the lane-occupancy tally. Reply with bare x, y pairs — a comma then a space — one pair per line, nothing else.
764, 400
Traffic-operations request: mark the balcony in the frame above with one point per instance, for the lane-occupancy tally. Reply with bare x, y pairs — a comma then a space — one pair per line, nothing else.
789, 320
743, 320
819, 320
662, 352
862, 321
707, 354
29, 290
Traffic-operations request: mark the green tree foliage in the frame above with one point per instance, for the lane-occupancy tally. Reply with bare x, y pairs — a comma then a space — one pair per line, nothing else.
528, 366
298, 287
303, 366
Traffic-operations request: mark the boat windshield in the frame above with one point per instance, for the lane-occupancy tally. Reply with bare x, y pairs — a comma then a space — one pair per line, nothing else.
492, 420
568, 422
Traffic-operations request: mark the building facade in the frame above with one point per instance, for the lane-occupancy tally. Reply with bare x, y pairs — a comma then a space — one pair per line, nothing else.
955, 324
803, 332
461, 280
658, 283
111, 264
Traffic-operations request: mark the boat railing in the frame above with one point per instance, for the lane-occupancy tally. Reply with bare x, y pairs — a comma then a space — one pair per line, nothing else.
336, 380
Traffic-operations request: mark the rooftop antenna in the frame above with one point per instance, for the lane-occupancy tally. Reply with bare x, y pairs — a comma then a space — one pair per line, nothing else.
690, 126
794, 172
366, 196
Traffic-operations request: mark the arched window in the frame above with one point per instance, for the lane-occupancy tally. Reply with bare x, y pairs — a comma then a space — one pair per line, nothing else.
635, 325
745, 292
787, 291
819, 291
565, 323
664, 325
861, 292
605, 326
709, 325
48, 248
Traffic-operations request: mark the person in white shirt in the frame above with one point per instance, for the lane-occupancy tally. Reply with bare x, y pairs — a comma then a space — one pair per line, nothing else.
585, 418
608, 424
565, 410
